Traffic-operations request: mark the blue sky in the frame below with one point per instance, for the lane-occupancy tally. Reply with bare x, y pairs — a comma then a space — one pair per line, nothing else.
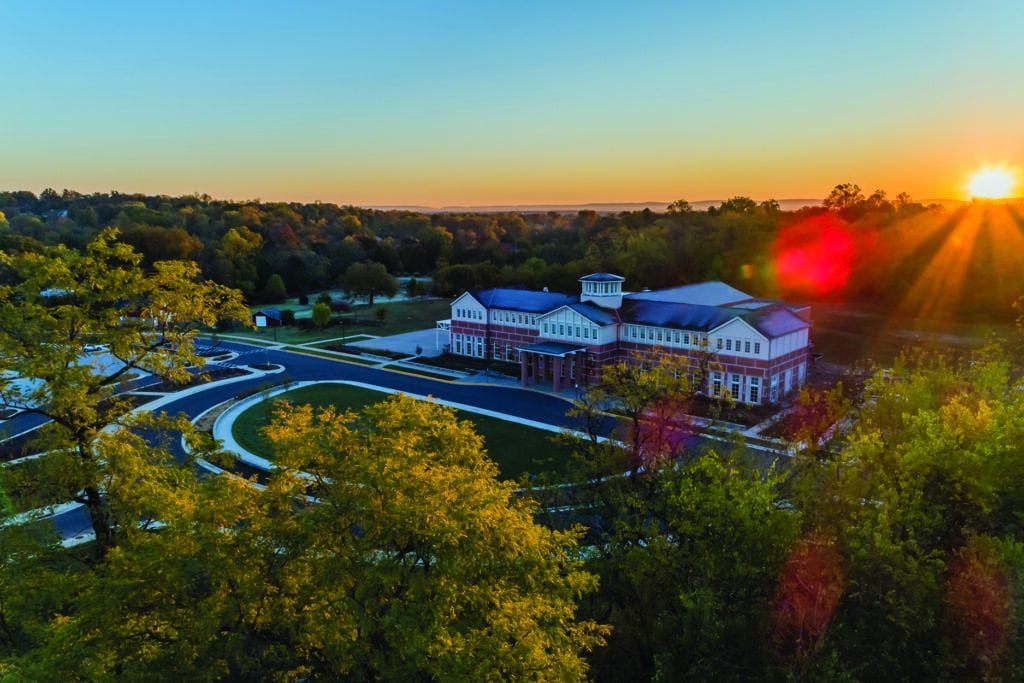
485, 102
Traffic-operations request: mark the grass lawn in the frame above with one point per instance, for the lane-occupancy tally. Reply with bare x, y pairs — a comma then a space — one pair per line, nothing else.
402, 316
516, 449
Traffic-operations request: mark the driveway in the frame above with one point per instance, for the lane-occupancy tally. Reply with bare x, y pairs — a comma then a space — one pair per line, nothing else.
431, 342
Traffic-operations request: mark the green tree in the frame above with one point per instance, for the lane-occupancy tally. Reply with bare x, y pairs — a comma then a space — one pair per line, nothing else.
843, 197
687, 578
274, 291
369, 279
413, 288
321, 315
680, 206
62, 300
923, 501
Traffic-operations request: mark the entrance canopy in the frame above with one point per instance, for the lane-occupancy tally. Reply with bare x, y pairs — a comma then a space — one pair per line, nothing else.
557, 349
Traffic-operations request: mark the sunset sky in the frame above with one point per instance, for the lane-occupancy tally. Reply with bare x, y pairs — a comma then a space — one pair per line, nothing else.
440, 103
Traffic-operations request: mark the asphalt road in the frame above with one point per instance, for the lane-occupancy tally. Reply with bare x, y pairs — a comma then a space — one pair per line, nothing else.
522, 403
527, 404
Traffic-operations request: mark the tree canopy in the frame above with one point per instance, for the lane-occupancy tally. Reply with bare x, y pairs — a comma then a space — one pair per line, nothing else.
413, 562
57, 307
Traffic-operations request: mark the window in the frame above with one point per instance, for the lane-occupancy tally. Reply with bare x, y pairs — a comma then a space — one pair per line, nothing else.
719, 343
677, 336
716, 384
734, 388
561, 329
801, 371
755, 390
659, 334
728, 344
458, 344
545, 328
757, 348
578, 331
746, 347
686, 339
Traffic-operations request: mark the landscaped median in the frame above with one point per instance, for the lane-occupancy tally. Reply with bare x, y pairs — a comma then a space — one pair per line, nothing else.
518, 449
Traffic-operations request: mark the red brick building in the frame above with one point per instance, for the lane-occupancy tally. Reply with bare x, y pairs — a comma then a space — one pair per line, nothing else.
760, 348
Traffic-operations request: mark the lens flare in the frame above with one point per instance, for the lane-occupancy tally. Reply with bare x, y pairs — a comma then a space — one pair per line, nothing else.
814, 257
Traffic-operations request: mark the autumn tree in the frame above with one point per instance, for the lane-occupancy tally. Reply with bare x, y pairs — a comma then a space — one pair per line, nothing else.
60, 301
651, 392
409, 560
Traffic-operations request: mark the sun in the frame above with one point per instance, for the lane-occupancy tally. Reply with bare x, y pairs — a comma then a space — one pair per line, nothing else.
992, 182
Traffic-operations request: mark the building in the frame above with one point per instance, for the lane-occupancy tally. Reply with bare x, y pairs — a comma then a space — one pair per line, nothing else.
760, 348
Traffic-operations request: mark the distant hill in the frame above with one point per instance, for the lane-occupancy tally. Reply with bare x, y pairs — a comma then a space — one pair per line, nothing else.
607, 207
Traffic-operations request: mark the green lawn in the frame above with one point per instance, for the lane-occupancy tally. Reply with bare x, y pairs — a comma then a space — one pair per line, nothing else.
403, 316
515, 448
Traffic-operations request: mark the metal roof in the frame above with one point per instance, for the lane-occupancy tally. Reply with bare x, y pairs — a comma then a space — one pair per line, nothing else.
713, 293
776, 321
524, 300
602, 277
595, 314
682, 316
772, 322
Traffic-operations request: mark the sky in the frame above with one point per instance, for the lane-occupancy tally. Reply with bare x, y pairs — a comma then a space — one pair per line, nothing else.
484, 102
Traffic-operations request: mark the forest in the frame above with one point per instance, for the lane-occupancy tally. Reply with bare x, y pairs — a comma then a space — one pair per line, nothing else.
896, 254
894, 553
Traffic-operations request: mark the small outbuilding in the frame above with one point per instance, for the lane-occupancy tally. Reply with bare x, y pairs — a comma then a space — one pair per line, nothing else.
268, 317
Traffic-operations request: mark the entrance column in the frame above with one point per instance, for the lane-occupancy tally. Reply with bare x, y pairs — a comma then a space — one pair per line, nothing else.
522, 368
557, 376
535, 359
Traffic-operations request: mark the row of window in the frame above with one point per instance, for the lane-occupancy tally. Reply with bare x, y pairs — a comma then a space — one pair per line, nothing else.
659, 335
468, 314
570, 330
739, 345
514, 318
468, 345
602, 287
736, 388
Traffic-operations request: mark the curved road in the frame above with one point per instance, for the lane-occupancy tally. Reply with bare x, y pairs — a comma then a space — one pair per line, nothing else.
528, 404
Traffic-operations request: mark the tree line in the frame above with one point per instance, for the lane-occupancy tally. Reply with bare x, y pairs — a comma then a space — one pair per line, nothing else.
876, 250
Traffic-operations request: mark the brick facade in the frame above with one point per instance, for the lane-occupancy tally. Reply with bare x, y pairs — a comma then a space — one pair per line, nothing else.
750, 377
